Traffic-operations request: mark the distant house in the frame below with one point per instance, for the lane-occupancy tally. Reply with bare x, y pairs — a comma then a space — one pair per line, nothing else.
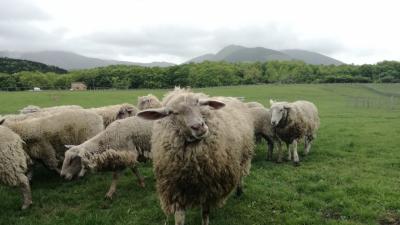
78, 86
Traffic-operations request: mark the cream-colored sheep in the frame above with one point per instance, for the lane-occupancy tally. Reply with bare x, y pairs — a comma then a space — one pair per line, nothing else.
14, 164
114, 112
122, 144
33, 108
254, 104
202, 148
293, 121
47, 134
263, 128
148, 102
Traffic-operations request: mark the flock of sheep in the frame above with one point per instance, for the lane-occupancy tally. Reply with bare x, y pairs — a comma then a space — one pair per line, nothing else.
201, 147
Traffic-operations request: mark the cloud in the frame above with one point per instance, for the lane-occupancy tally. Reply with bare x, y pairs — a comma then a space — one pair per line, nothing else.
21, 10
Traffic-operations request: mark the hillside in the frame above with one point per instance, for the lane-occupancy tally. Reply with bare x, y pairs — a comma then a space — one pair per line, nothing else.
73, 61
10, 66
236, 53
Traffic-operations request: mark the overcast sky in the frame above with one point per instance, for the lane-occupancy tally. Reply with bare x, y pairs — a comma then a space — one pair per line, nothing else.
177, 30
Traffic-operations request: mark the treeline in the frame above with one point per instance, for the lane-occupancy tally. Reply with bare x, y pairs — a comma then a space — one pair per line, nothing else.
10, 66
205, 74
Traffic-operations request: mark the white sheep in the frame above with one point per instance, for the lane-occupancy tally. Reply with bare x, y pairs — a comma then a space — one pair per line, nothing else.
33, 108
112, 112
148, 102
202, 148
292, 122
47, 133
263, 128
254, 104
14, 163
122, 144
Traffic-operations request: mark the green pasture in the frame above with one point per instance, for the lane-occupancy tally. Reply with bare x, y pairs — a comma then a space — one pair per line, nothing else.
352, 175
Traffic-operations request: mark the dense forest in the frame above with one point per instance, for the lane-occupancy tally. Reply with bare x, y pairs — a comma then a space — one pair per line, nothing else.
10, 66
203, 74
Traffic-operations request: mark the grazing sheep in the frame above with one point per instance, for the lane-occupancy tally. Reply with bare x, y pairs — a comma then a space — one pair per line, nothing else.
293, 121
122, 144
148, 102
14, 164
46, 134
202, 148
262, 127
112, 112
33, 108
254, 104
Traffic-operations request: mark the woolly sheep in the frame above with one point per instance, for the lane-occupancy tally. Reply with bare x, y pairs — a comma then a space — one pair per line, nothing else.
110, 113
46, 134
122, 144
148, 102
14, 164
254, 104
293, 121
202, 148
262, 127
33, 108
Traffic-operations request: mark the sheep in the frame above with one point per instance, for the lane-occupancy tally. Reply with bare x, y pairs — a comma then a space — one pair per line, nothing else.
33, 108
293, 121
262, 127
202, 149
148, 102
122, 144
110, 113
14, 163
254, 104
47, 133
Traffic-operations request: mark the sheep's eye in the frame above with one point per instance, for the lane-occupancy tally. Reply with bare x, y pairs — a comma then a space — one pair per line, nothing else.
175, 113
281, 110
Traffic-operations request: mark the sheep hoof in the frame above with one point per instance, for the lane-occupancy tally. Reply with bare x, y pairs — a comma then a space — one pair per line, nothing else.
239, 191
26, 206
296, 164
108, 197
142, 184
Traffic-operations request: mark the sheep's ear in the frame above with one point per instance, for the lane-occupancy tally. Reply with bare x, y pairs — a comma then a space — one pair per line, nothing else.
212, 103
153, 114
69, 146
286, 107
271, 101
2, 121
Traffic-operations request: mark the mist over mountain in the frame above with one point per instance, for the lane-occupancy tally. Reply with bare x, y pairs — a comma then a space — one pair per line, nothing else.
236, 53
73, 61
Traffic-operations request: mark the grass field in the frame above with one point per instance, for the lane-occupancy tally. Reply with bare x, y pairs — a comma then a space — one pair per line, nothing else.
352, 175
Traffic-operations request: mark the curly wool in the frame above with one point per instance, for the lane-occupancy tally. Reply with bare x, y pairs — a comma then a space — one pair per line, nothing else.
47, 134
110, 113
254, 104
302, 119
32, 108
14, 161
207, 171
120, 145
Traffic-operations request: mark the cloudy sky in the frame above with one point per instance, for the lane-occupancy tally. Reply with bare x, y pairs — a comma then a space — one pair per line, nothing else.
177, 30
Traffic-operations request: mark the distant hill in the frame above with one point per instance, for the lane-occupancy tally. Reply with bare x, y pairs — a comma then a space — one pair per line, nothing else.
73, 61
236, 53
10, 66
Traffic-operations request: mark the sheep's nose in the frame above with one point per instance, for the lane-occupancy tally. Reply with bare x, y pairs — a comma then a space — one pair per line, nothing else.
197, 126
273, 123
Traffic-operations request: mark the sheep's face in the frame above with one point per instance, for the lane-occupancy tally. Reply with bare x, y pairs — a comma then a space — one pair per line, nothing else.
278, 112
73, 164
148, 102
187, 113
126, 111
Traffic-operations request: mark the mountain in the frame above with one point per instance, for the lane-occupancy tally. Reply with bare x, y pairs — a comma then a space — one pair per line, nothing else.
73, 61
10, 66
236, 53
311, 57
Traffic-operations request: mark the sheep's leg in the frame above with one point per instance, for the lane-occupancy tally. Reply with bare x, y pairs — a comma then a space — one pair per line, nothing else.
307, 142
270, 148
26, 192
280, 152
179, 217
49, 158
113, 186
239, 188
139, 176
295, 155
205, 212
289, 152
